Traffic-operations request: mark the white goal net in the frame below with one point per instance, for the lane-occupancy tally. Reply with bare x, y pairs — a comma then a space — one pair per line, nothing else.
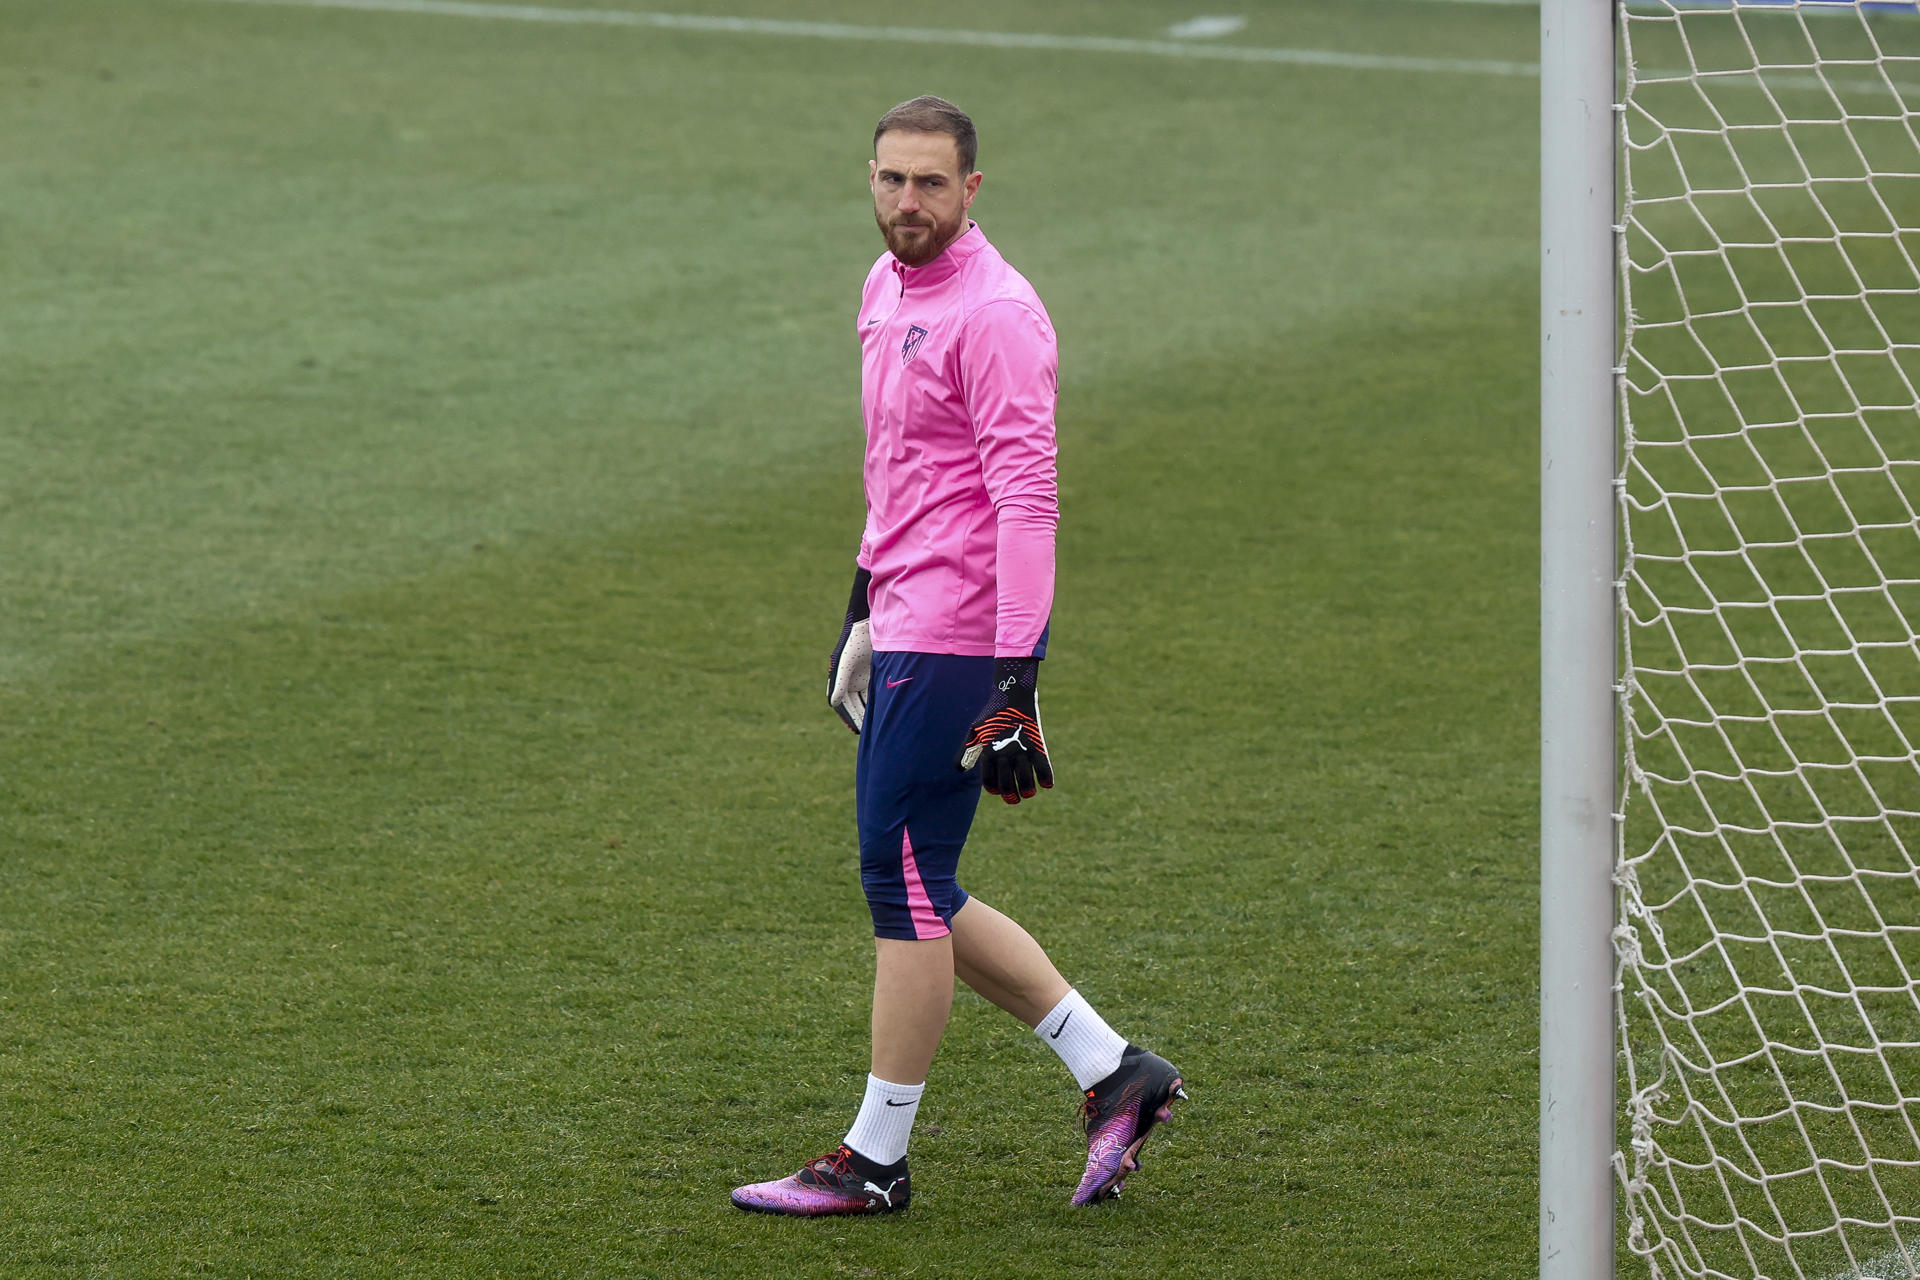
1769, 869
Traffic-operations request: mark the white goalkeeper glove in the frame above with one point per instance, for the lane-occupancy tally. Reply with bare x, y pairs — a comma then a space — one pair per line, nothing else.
850, 668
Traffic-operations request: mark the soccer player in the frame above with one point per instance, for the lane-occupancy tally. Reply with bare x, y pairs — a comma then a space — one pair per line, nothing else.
938, 663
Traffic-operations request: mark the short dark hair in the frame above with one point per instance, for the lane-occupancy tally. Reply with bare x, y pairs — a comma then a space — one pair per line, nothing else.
928, 114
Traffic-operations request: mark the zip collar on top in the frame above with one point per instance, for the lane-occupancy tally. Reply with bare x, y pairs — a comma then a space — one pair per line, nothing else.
947, 265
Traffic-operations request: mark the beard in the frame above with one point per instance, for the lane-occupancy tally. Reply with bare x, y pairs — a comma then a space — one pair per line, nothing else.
917, 249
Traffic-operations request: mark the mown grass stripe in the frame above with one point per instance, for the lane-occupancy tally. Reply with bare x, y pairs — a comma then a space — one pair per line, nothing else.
1016, 40
925, 35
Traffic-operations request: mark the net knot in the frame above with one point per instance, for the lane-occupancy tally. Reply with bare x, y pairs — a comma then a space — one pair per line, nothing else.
1626, 945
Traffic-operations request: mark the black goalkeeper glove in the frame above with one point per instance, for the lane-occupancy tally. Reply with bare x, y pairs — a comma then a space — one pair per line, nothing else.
850, 668
1005, 739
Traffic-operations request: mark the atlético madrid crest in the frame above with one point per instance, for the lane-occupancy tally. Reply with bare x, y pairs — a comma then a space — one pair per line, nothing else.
911, 346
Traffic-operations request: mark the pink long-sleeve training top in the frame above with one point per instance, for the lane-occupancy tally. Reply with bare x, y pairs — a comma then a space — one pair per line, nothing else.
960, 372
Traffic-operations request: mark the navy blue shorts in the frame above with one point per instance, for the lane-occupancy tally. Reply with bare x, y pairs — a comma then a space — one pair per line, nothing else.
915, 808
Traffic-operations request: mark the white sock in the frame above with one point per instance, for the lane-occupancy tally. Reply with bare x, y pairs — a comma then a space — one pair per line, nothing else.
886, 1118
1090, 1048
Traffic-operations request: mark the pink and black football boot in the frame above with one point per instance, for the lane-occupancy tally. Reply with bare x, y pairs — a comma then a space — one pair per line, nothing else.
1120, 1112
842, 1182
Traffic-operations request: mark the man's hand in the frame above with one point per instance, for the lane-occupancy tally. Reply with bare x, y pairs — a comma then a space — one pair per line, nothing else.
850, 667
1005, 740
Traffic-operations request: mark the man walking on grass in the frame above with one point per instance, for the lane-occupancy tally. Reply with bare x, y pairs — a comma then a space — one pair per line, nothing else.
938, 664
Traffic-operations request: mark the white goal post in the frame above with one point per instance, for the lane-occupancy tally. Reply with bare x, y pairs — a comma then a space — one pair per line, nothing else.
1739, 501
1577, 637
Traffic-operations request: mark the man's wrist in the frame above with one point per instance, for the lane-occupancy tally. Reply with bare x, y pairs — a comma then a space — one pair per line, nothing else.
858, 607
1015, 681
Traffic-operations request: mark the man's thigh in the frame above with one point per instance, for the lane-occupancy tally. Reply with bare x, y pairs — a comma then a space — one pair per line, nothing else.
915, 808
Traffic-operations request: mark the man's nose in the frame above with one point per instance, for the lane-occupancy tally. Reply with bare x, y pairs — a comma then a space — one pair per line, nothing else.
909, 199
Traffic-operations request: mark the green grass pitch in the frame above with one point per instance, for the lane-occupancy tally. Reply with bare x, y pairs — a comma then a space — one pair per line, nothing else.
428, 484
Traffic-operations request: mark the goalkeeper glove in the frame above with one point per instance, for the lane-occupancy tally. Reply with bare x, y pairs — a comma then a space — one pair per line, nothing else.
1005, 739
850, 668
